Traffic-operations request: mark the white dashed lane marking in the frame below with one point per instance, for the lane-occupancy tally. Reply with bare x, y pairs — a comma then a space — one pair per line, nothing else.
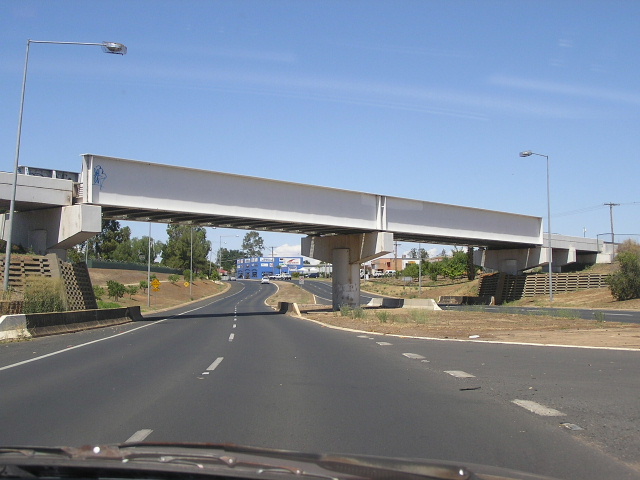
538, 409
215, 364
139, 436
459, 374
231, 337
413, 356
384, 343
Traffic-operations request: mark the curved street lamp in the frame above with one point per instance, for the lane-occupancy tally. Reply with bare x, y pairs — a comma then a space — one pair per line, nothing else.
107, 47
528, 153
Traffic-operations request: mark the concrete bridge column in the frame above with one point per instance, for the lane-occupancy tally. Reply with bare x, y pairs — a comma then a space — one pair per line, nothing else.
346, 253
345, 280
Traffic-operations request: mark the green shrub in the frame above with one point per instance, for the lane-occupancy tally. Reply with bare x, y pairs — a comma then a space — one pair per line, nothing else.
625, 283
345, 311
383, 316
174, 278
98, 291
131, 290
116, 289
143, 285
43, 295
187, 275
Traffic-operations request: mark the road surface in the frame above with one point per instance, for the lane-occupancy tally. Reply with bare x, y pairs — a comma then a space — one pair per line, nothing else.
230, 369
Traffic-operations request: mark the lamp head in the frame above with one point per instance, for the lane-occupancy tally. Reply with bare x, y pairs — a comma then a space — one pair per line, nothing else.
114, 48
526, 153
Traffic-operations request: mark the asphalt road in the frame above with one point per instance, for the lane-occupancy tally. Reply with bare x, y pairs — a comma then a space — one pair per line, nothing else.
323, 291
232, 370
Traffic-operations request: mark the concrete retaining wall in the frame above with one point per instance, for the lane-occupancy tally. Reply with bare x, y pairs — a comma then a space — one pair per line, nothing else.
41, 324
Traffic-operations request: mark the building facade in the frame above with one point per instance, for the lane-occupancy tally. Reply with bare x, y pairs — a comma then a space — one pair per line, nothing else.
258, 267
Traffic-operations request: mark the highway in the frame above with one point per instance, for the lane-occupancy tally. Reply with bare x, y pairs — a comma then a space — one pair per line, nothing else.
229, 369
322, 291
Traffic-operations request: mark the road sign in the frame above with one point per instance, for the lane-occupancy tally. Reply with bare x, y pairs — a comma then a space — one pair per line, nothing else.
155, 283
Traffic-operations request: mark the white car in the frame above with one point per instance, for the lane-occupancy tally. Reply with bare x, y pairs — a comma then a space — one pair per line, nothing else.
264, 280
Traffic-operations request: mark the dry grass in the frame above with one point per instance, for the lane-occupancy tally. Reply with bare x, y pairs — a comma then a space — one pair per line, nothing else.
170, 295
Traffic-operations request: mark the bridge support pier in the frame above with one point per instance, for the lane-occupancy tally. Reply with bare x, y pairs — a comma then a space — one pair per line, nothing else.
346, 253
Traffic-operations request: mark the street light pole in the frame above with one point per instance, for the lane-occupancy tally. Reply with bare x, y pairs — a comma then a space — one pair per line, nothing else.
107, 47
528, 153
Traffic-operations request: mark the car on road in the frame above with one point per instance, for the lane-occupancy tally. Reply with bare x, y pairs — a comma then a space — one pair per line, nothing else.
265, 280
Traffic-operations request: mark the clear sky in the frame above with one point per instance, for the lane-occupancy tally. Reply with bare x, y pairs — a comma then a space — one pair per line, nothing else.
431, 100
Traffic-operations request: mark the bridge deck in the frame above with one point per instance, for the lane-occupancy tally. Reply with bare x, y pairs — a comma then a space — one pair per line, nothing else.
134, 190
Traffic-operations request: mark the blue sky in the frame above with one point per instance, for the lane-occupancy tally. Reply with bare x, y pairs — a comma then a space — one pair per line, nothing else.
431, 100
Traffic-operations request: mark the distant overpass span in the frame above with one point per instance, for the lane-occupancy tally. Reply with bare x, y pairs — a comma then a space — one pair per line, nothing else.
343, 227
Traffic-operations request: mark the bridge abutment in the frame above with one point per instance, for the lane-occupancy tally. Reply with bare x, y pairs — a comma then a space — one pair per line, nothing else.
346, 253
54, 230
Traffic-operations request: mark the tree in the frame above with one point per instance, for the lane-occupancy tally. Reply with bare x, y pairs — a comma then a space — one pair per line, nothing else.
252, 244
421, 253
116, 289
177, 251
106, 242
228, 259
454, 266
625, 283
411, 270
471, 268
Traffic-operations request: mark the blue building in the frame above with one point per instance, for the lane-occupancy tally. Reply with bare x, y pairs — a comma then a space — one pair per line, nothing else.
258, 267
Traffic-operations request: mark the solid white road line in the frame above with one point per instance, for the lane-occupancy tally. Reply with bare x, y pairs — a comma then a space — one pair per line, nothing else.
459, 374
538, 409
215, 364
139, 436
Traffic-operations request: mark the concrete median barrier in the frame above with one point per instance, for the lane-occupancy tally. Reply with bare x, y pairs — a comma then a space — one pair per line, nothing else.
41, 324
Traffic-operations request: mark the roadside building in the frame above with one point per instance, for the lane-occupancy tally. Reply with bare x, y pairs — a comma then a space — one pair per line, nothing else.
258, 267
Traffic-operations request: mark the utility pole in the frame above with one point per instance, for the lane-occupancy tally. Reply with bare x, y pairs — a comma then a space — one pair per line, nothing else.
613, 238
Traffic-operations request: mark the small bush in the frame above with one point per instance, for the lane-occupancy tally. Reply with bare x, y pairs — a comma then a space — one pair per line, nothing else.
358, 313
625, 283
174, 278
345, 311
187, 275
99, 292
419, 316
116, 289
143, 285
383, 316
132, 290
43, 295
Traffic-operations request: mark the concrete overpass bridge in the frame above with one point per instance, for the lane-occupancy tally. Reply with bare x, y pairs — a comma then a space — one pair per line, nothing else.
345, 228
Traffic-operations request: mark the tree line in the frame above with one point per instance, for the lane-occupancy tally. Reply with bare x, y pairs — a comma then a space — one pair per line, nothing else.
184, 244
